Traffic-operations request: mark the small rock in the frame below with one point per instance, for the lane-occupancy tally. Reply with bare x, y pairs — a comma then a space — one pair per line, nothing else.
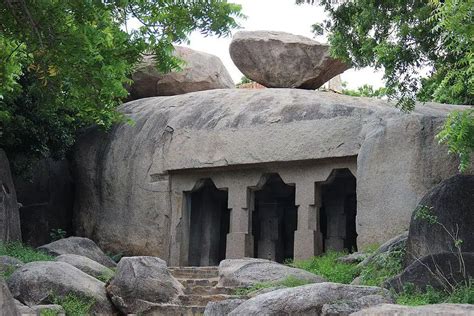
87, 265
222, 307
426, 310
78, 246
283, 60
352, 258
249, 271
141, 283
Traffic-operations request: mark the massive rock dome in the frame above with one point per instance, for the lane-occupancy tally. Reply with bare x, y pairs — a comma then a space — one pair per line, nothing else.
133, 183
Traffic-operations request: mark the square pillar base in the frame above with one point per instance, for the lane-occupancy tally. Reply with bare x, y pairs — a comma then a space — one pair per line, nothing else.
308, 243
239, 245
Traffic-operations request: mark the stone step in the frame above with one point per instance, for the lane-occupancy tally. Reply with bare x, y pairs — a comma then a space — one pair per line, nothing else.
176, 310
208, 290
194, 272
198, 282
202, 300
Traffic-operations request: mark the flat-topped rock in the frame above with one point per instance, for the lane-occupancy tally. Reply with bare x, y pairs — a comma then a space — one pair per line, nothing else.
284, 60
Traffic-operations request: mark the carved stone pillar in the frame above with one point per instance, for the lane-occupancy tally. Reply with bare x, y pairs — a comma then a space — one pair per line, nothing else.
239, 240
308, 237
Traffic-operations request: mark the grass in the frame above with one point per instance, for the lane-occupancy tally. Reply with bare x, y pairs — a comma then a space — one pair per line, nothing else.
74, 305
382, 267
49, 312
106, 275
23, 253
288, 282
463, 294
328, 267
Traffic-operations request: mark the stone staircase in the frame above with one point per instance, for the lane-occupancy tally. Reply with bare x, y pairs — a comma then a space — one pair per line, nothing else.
200, 288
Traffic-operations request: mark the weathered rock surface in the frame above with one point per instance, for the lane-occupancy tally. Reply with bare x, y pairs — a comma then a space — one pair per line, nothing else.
248, 271
38, 310
427, 310
140, 283
123, 201
452, 203
202, 71
33, 284
86, 265
9, 264
47, 201
352, 258
283, 60
222, 308
78, 246
438, 270
346, 307
7, 303
396, 243
305, 300
9, 214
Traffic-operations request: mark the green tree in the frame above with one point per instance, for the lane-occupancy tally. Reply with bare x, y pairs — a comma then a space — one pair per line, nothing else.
407, 38
365, 91
64, 63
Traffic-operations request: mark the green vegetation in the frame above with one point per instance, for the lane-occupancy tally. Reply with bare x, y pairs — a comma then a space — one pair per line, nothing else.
288, 282
48, 312
382, 267
56, 234
22, 252
463, 294
64, 65
328, 267
366, 91
426, 49
106, 275
74, 305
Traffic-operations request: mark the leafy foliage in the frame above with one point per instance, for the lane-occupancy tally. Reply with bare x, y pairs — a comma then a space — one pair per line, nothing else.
382, 267
74, 305
366, 91
22, 252
64, 64
407, 38
463, 294
328, 267
56, 234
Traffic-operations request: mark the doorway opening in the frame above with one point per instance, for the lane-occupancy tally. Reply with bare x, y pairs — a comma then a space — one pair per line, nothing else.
274, 219
339, 211
209, 224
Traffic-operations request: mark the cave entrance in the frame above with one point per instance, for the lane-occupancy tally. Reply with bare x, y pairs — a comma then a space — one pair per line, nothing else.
209, 224
274, 219
339, 211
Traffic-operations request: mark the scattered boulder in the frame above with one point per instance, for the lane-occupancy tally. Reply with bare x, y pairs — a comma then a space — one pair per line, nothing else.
9, 214
353, 258
35, 282
222, 307
451, 204
346, 307
306, 300
201, 71
78, 246
9, 264
438, 270
248, 271
141, 283
87, 265
431, 310
283, 60
23, 309
397, 243
7, 303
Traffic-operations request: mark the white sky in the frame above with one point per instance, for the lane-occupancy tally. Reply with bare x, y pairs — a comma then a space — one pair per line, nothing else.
278, 15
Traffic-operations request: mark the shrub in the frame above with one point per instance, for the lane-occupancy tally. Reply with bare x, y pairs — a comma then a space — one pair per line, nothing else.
382, 267
328, 267
23, 252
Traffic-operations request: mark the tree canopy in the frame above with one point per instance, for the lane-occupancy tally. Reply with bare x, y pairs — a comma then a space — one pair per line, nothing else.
64, 65
426, 49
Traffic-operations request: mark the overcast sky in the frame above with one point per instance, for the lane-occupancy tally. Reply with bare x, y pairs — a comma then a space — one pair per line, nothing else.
278, 15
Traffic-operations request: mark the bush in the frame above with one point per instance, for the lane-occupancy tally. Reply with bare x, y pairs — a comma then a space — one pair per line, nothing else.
22, 252
328, 267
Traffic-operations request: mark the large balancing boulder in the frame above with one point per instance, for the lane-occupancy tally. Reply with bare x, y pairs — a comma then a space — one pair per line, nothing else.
38, 282
201, 71
140, 283
9, 214
444, 215
249, 271
283, 60
78, 246
311, 299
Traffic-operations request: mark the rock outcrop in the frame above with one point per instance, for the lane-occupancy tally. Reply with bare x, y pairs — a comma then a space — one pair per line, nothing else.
78, 246
432, 310
9, 215
201, 71
440, 271
249, 271
451, 206
141, 283
283, 60
36, 282
223, 307
307, 299
87, 265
